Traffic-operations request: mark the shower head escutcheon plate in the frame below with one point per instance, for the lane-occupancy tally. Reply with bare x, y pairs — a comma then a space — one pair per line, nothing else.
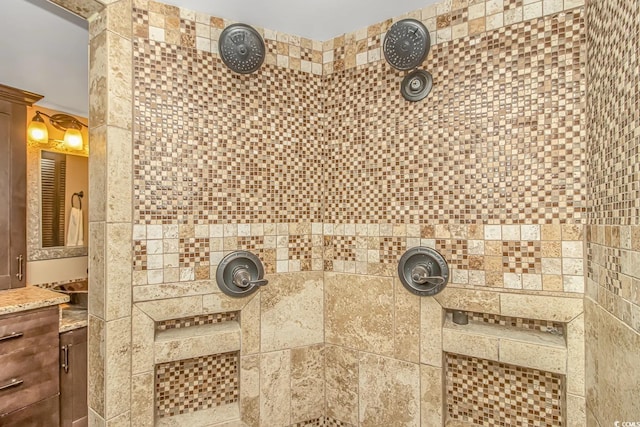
416, 85
406, 44
241, 48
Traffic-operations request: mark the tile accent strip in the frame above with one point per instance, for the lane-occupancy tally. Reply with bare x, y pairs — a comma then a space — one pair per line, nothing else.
205, 319
532, 324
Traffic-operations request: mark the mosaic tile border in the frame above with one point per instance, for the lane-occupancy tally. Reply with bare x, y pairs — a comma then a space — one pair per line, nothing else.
488, 393
447, 20
517, 322
205, 319
322, 422
478, 255
281, 247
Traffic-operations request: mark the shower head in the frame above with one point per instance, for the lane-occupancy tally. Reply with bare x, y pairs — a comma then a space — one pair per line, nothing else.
241, 48
406, 44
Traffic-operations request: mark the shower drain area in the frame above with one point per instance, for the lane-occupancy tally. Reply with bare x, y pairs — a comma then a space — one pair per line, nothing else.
196, 384
482, 392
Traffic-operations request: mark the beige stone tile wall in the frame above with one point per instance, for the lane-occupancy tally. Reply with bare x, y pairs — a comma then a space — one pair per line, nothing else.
223, 162
612, 306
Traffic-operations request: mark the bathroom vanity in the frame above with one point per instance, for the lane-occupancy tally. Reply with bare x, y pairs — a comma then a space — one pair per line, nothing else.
29, 356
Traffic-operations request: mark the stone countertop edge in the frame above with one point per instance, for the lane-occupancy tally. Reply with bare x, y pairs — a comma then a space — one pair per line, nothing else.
72, 319
28, 298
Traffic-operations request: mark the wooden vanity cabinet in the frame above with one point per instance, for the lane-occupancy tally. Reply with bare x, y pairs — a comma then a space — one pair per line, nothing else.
13, 185
73, 378
29, 383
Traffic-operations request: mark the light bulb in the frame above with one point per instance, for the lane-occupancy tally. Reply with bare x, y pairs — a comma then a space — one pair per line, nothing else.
37, 130
73, 139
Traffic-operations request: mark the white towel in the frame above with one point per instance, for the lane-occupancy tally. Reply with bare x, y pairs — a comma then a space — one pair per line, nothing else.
75, 234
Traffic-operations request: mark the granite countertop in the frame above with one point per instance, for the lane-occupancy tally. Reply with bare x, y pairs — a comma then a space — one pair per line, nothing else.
72, 318
29, 298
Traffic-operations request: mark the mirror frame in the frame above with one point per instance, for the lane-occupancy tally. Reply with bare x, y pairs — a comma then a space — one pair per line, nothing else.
35, 251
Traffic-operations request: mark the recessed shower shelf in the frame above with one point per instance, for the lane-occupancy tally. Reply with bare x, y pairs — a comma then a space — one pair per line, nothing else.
528, 348
196, 341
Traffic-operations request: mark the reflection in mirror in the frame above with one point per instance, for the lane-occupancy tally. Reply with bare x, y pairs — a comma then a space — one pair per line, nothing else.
53, 170
63, 184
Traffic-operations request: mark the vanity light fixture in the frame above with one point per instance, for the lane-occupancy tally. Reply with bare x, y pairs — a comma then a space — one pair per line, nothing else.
71, 126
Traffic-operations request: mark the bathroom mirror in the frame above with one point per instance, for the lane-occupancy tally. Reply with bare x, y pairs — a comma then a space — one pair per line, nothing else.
63, 185
53, 177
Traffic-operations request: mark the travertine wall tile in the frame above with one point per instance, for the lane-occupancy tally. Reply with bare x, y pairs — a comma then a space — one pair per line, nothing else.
431, 320
459, 342
174, 308
96, 365
97, 297
142, 400
307, 383
609, 385
551, 359
576, 357
377, 377
341, 384
122, 420
470, 300
250, 390
359, 312
431, 385
117, 366
291, 310
97, 177
142, 334
117, 271
275, 388
250, 325
407, 324
540, 307
576, 411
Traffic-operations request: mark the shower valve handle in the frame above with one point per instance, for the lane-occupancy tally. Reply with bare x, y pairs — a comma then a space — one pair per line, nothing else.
421, 274
242, 278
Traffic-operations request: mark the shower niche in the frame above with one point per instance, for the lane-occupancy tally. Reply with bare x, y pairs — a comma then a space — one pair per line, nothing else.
196, 369
497, 368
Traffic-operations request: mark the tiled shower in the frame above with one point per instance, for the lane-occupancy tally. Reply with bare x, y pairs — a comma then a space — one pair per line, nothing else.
318, 165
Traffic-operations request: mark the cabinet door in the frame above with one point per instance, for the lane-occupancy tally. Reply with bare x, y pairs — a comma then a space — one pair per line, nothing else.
13, 190
73, 378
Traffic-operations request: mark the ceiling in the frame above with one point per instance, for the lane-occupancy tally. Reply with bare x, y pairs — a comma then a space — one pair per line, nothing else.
44, 49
